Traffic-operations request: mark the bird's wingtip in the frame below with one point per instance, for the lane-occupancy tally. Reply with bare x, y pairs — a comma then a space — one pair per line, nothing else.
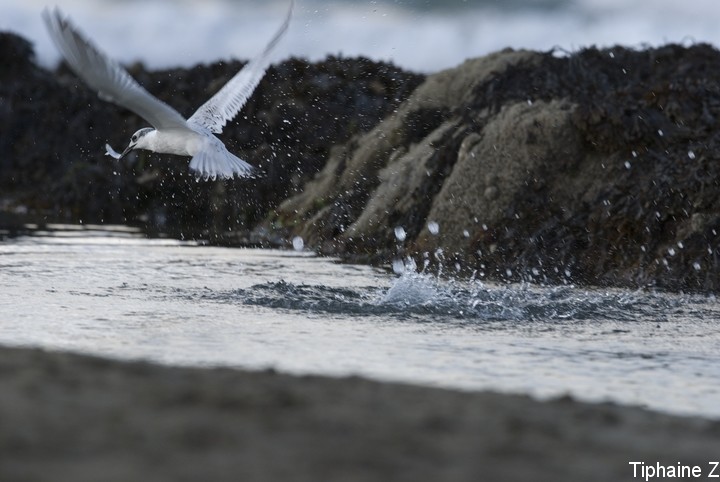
53, 14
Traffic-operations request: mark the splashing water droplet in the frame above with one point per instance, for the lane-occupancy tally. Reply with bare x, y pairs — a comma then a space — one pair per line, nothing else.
628, 165
398, 266
400, 233
410, 264
466, 233
691, 154
660, 132
433, 227
671, 251
696, 265
298, 243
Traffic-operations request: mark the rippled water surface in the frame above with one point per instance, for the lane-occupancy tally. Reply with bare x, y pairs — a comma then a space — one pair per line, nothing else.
112, 292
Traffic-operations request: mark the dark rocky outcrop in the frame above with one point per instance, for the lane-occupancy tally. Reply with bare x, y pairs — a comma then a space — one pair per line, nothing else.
53, 130
593, 167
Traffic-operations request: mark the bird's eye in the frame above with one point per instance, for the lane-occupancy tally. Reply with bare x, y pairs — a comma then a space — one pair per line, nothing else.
134, 138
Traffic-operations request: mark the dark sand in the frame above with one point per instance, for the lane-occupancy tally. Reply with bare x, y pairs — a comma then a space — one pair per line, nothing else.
74, 418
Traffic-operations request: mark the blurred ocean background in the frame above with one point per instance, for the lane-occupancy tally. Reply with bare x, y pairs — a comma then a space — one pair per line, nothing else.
421, 35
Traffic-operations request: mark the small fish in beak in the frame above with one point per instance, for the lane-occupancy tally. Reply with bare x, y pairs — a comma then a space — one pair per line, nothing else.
109, 151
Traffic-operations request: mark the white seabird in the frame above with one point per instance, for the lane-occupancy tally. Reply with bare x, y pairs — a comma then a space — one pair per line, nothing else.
172, 134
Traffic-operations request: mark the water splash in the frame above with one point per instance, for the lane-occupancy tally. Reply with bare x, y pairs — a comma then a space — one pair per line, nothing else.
411, 289
415, 294
298, 243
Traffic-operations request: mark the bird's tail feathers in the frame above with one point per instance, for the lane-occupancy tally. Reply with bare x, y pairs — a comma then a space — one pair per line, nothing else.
210, 164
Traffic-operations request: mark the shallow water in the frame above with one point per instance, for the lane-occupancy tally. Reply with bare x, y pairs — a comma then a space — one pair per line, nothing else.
111, 292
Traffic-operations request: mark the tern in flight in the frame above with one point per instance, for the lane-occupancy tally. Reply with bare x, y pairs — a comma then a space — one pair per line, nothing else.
171, 133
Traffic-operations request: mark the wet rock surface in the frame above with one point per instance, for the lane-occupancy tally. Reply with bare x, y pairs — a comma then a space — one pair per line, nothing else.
593, 167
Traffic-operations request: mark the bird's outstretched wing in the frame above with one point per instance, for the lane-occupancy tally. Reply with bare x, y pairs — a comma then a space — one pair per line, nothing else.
112, 82
227, 102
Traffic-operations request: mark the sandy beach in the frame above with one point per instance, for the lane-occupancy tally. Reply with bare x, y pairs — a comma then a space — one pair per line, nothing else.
67, 417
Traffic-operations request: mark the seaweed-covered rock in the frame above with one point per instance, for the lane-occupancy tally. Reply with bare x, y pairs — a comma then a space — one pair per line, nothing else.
599, 166
389, 176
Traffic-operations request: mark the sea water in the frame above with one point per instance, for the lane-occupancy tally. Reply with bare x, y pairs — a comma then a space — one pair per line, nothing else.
421, 35
110, 291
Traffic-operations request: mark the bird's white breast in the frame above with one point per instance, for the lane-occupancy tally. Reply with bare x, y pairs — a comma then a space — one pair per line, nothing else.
181, 143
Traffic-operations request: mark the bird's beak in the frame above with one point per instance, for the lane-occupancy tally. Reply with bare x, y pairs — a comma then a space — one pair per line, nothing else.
127, 149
